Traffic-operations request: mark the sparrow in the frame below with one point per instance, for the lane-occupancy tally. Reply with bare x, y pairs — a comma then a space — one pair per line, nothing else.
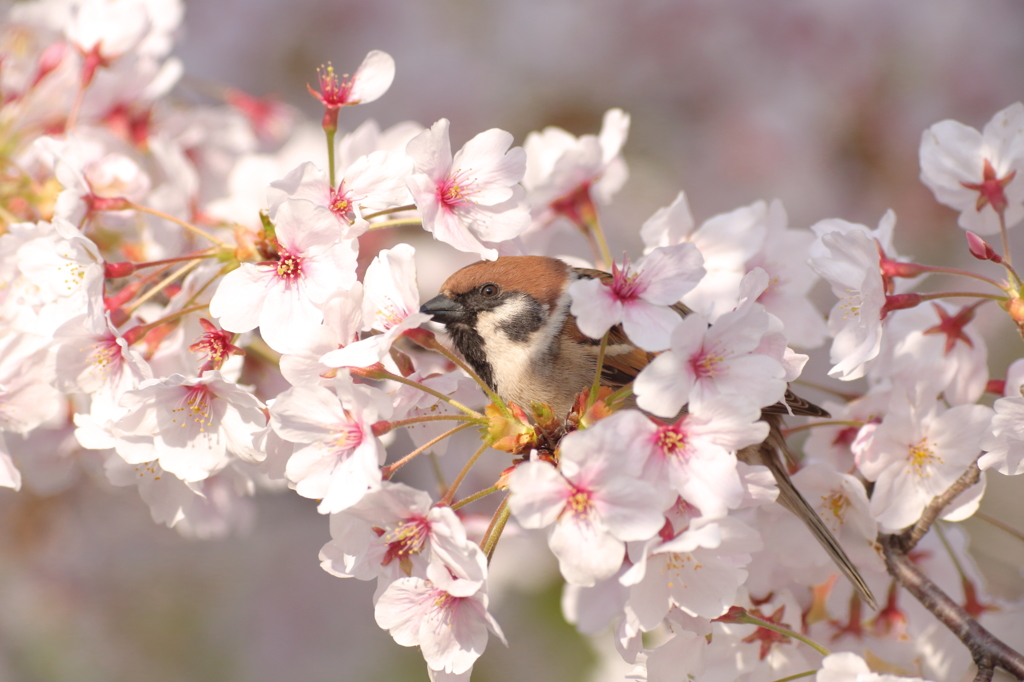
510, 320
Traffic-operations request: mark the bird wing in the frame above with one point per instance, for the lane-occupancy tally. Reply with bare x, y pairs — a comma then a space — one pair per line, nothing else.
799, 406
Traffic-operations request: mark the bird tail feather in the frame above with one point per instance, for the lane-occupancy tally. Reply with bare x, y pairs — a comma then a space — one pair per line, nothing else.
791, 499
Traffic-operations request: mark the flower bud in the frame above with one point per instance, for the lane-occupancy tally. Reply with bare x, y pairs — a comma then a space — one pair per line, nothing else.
980, 249
115, 270
899, 302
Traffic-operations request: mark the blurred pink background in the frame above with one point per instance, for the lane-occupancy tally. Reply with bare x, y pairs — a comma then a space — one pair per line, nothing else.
820, 104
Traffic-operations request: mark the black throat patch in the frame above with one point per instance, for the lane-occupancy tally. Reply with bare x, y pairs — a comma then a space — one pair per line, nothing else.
468, 342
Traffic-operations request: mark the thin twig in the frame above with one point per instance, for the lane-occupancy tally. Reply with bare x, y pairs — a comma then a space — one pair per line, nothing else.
909, 538
986, 649
984, 672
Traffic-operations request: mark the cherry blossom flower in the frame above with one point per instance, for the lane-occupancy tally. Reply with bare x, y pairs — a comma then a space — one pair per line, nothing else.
450, 631
93, 358
372, 183
371, 80
284, 297
1004, 443
94, 177
724, 360
792, 556
783, 257
695, 458
566, 175
832, 444
744, 651
192, 427
340, 456
699, 569
27, 399
214, 345
847, 258
683, 653
166, 495
639, 297
917, 452
24, 362
937, 345
593, 504
395, 532
726, 241
592, 609
213, 507
65, 271
104, 30
343, 318
977, 172
473, 199
391, 305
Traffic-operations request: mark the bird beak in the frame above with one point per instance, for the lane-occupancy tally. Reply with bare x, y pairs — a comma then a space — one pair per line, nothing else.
444, 309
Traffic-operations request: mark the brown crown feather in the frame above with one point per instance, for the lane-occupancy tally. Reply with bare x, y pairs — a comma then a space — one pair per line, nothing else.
541, 277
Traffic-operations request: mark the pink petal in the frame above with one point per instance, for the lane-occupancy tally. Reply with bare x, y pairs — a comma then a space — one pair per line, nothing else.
373, 77
595, 306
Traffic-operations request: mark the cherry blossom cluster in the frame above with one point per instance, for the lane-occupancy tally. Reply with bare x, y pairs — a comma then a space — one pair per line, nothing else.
197, 300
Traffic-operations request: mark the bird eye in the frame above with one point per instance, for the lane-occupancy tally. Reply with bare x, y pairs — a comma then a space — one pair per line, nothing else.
489, 290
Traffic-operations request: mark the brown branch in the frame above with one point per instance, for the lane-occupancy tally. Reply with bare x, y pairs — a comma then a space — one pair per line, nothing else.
984, 673
987, 651
985, 648
909, 538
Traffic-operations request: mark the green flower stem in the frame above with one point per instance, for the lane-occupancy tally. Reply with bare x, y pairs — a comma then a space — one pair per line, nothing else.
475, 496
1000, 525
620, 394
961, 294
493, 534
390, 469
754, 620
425, 339
433, 418
160, 286
963, 273
140, 332
384, 374
807, 673
401, 222
388, 211
177, 221
1006, 240
594, 225
597, 374
205, 253
450, 495
330, 155
949, 550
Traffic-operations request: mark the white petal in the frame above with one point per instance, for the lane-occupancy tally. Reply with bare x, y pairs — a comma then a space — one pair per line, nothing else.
373, 77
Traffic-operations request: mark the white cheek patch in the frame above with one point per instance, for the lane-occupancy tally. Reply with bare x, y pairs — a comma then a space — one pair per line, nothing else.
492, 326
491, 321
512, 360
